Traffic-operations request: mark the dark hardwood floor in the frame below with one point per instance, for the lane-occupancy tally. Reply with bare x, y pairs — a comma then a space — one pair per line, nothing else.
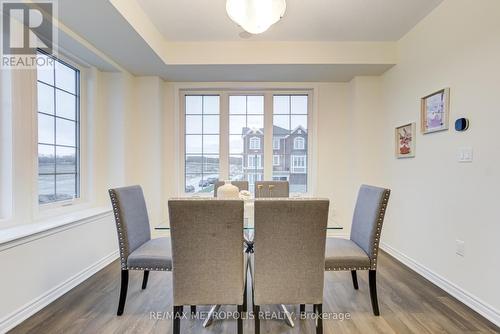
408, 304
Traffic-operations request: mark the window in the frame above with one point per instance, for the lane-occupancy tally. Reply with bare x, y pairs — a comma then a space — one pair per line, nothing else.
298, 143
246, 135
202, 117
237, 124
276, 160
290, 117
276, 143
299, 164
255, 161
58, 109
255, 143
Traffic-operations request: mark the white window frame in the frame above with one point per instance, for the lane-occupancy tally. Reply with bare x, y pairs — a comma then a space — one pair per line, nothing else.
254, 143
45, 210
204, 174
228, 89
298, 169
276, 159
299, 143
55, 204
276, 143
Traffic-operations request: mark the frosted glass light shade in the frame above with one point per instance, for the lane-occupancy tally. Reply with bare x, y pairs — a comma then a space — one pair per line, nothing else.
255, 16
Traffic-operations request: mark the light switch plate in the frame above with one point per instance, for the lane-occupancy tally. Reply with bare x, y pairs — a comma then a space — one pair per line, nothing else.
465, 154
460, 247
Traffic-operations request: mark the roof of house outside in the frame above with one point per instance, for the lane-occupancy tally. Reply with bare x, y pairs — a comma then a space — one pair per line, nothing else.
277, 131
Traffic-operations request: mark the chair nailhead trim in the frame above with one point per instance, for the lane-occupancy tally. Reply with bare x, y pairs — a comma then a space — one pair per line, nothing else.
347, 268
121, 239
150, 269
380, 220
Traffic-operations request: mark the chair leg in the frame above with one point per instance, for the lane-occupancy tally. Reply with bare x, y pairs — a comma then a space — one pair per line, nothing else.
145, 279
256, 311
354, 279
302, 308
240, 319
319, 313
177, 319
123, 292
245, 297
372, 275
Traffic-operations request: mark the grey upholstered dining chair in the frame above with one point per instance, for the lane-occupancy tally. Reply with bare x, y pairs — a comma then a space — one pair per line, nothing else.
360, 252
272, 189
208, 265
137, 250
242, 185
289, 256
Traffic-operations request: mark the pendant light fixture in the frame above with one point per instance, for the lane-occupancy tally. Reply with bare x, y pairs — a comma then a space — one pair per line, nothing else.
255, 16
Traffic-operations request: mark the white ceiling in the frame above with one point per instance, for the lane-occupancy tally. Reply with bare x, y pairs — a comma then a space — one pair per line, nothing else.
304, 20
98, 22
101, 25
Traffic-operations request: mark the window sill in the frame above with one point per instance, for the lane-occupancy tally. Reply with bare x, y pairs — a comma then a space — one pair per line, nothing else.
20, 234
56, 209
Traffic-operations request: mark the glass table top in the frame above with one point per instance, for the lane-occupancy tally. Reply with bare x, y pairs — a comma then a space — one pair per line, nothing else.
248, 223
165, 227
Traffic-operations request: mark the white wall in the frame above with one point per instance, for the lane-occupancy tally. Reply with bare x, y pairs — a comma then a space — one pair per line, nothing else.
37, 270
40, 267
145, 145
435, 199
170, 144
135, 111
5, 146
332, 150
347, 137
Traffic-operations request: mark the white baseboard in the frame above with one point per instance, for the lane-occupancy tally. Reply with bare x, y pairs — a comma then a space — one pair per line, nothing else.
24, 312
486, 310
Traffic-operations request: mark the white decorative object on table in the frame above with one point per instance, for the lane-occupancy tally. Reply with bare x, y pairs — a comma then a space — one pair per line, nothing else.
228, 191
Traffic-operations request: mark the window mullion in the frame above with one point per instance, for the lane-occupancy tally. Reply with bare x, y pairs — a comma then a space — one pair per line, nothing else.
202, 138
268, 136
55, 133
224, 137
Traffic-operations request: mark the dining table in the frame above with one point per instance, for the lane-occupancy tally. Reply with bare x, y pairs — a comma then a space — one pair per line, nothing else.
248, 230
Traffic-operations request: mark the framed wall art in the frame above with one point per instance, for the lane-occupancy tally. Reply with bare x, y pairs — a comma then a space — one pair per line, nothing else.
435, 111
405, 141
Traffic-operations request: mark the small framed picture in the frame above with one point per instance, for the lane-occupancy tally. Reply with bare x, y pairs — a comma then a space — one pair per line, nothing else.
435, 111
405, 141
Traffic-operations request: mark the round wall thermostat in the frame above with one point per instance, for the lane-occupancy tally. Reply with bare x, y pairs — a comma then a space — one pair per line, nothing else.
461, 124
